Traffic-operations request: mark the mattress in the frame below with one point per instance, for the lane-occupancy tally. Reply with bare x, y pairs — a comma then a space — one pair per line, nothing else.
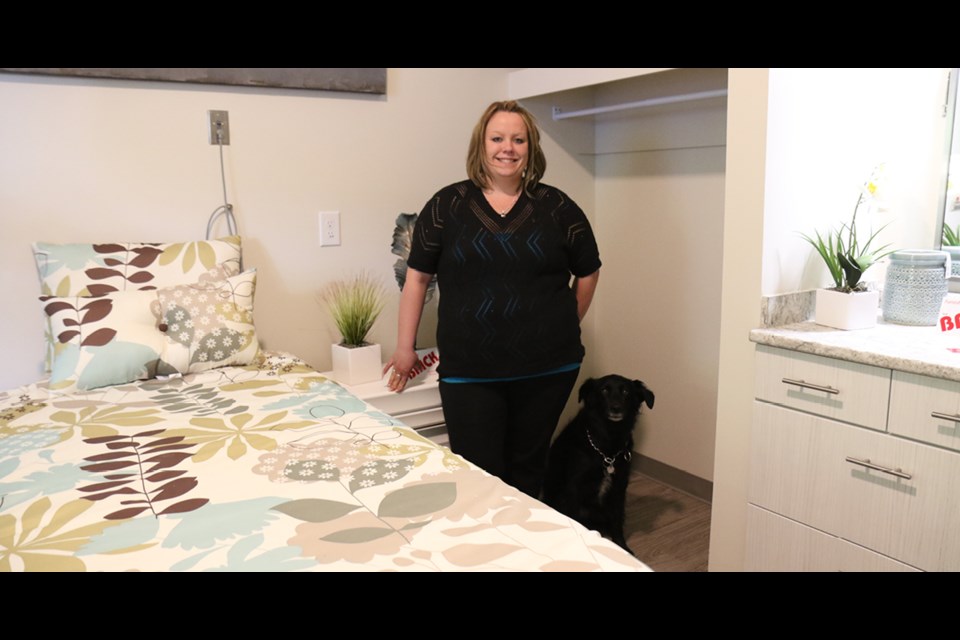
264, 467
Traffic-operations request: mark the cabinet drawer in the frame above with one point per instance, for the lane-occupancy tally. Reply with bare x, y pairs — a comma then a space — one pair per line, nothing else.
418, 419
775, 543
926, 409
847, 391
805, 468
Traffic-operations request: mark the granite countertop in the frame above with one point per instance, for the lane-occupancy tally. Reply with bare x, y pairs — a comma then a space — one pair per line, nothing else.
921, 350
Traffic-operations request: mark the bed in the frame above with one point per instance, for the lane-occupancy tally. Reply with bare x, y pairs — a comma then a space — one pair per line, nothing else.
195, 452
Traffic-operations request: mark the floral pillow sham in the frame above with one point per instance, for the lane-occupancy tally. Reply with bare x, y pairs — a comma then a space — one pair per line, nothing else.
124, 336
209, 324
94, 269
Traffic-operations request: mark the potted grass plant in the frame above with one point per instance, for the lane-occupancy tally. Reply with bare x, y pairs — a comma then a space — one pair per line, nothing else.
849, 304
355, 304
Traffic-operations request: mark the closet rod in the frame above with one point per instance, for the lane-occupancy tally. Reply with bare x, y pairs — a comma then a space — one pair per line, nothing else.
559, 114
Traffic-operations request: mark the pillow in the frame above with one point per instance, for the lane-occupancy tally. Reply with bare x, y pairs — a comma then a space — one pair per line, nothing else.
124, 336
96, 269
209, 324
109, 339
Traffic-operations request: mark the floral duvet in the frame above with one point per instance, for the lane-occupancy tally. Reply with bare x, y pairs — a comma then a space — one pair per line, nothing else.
268, 467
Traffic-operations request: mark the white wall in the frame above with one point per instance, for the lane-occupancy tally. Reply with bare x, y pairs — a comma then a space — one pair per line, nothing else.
828, 129
96, 160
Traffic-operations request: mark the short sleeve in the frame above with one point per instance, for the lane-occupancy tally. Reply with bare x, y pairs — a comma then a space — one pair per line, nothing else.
581, 244
426, 243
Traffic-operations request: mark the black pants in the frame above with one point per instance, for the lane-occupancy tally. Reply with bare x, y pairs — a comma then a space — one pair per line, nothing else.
505, 427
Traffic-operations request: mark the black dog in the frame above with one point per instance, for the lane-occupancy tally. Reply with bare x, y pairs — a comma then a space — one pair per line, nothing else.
588, 467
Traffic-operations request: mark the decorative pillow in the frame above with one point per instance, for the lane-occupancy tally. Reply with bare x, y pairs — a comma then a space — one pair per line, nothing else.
209, 324
124, 336
97, 269
109, 339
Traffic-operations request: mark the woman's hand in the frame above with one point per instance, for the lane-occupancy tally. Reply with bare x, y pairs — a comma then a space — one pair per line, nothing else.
401, 363
411, 306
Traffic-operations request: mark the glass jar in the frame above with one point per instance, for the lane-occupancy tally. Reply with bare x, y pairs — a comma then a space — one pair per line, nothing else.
914, 287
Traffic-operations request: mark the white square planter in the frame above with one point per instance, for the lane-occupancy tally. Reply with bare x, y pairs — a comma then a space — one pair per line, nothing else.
356, 365
840, 310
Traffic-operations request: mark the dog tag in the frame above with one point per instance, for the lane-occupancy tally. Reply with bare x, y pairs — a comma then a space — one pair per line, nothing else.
610, 469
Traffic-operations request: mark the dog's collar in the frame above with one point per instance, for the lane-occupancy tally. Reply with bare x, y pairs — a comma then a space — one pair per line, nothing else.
608, 460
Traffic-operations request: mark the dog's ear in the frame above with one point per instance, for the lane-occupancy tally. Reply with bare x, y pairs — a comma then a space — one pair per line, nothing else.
644, 393
587, 390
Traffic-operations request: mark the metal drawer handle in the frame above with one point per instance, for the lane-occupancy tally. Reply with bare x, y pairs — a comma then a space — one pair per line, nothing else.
945, 416
807, 385
866, 463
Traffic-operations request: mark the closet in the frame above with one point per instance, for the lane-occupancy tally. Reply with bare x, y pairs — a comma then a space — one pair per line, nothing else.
643, 151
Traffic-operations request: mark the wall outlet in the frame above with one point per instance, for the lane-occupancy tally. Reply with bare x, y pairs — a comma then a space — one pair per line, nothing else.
219, 124
329, 228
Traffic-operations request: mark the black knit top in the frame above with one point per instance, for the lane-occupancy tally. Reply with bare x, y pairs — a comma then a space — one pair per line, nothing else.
506, 308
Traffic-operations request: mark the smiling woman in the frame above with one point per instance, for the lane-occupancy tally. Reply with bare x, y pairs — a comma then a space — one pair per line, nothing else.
504, 247
505, 158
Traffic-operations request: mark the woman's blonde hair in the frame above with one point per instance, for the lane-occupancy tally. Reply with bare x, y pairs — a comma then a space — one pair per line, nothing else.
536, 161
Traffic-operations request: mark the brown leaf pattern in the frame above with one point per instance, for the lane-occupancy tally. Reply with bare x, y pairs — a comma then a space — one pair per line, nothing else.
127, 264
84, 312
147, 472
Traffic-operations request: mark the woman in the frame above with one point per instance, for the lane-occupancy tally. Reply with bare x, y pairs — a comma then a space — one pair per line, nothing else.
504, 247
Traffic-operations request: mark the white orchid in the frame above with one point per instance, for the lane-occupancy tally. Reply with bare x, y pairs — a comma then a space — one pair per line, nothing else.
841, 251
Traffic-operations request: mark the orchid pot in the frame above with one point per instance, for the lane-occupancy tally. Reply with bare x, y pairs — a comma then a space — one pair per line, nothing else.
847, 311
849, 304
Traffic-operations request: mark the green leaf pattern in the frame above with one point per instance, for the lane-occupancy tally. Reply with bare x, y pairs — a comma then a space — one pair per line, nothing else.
198, 399
42, 540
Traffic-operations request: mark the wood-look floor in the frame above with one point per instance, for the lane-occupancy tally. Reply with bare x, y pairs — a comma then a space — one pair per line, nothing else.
667, 529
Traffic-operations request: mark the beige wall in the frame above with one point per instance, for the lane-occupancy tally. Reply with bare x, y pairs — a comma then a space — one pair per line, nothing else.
96, 160
658, 308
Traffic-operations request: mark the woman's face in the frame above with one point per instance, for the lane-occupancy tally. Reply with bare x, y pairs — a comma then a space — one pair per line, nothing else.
505, 146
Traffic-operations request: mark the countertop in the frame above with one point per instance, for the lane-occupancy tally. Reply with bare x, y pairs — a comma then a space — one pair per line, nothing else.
921, 350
